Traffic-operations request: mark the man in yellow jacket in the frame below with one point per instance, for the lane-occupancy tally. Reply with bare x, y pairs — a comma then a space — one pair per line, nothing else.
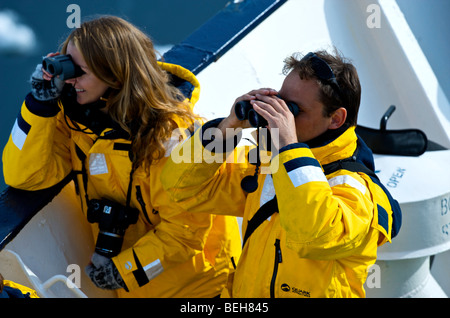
313, 221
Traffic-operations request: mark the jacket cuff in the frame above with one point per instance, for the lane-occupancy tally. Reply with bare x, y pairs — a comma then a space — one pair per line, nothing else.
41, 108
208, 134
296, 145
133, 273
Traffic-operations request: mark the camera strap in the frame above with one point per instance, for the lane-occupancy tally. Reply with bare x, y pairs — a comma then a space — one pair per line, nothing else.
127, 205
263, 213
82, 156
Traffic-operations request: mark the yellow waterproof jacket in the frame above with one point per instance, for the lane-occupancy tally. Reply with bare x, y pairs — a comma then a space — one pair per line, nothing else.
326, 234
168, 252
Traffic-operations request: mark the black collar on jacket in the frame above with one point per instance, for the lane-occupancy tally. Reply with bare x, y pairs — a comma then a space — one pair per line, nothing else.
90, 115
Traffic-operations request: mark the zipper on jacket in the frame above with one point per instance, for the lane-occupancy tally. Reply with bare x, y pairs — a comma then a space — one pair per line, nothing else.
142, 203
278, 260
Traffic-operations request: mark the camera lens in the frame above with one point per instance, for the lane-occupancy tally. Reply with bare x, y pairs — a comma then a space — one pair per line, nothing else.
108, 244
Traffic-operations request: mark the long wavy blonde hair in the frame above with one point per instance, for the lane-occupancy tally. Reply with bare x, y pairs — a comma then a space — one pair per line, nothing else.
142, 101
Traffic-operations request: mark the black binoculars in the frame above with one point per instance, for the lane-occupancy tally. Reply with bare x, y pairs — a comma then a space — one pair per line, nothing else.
63, 66
244, 110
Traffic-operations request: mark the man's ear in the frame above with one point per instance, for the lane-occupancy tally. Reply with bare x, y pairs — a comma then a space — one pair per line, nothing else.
338, 118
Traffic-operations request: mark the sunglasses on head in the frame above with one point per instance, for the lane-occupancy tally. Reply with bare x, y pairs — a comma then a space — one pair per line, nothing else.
323, 71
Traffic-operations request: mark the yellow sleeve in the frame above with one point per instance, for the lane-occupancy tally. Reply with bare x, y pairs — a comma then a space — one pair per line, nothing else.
322, 218
37, 154
173, 242
201, 179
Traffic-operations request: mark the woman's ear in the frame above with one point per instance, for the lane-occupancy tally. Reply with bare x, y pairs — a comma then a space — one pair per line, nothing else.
338, 118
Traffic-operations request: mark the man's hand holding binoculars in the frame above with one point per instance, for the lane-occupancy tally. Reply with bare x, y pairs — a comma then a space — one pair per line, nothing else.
263, 108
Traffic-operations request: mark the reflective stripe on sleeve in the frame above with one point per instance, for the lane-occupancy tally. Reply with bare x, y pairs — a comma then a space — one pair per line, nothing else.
303, 170
348, 180
20, 131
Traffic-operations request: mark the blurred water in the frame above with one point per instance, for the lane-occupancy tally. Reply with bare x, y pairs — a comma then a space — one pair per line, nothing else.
32, 28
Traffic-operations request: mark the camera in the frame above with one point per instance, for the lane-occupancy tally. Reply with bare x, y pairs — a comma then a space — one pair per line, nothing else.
63, 66
113, 219
244, 110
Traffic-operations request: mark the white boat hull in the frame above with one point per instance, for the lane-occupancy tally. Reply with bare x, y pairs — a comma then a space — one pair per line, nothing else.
51, 252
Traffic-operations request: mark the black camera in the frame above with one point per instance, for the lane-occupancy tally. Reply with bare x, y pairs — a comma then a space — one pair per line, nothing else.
244, 110
113, 219
63, 66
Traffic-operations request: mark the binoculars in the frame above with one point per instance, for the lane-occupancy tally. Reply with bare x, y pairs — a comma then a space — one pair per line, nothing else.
244, 110
63, 66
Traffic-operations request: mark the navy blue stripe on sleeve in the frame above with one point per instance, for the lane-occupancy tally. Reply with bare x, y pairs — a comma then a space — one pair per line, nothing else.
301, 162
293, 146
23, 125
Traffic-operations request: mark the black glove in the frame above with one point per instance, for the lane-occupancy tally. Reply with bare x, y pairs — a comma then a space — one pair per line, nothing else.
44, 90
104, 273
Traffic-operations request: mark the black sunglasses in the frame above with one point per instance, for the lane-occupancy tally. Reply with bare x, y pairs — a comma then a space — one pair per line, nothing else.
323, 71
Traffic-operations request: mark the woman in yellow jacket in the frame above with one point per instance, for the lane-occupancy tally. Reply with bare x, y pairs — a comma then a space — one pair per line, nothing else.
110, 122
332, 211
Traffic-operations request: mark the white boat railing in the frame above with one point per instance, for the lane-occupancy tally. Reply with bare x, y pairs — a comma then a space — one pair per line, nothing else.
14, 268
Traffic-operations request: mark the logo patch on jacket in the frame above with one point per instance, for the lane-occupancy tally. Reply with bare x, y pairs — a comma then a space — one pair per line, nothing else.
288, 289
97, 164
